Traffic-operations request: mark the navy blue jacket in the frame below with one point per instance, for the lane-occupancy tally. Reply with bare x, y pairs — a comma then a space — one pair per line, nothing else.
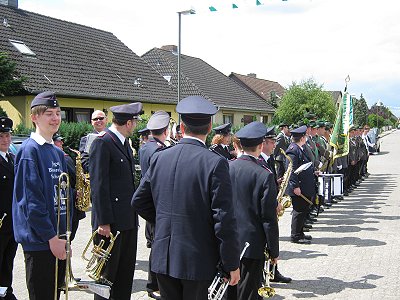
6, 192
254, 196
306, 179
147, 151
112, 174
187, 192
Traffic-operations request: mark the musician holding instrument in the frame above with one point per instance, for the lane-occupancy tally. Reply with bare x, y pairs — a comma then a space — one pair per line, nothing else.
282, 142
254, 197
158, 126
8, 246
112, 174
301, 187
187, 192
38, 166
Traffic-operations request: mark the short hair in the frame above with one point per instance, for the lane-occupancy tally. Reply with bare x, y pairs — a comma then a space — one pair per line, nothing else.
158, 131
250, 148
196, 129
217, 139
119, 122
38, 110
236, 142
366, 127
296, 138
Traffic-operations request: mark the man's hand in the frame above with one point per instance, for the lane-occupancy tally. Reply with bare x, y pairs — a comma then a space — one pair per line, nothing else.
274, 261
279, 207
297, 191
57, 247
104, 230
235, 277
279, 180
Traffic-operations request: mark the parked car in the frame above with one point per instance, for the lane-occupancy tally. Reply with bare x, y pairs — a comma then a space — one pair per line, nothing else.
16, 142
373, 135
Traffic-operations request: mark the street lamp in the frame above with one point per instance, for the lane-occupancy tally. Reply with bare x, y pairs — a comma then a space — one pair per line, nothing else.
180, 13
378, 105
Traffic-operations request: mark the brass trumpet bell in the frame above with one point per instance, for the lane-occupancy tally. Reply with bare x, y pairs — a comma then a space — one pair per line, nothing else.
266, 291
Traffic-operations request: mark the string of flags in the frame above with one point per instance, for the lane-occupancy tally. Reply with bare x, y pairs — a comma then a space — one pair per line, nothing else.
235, 5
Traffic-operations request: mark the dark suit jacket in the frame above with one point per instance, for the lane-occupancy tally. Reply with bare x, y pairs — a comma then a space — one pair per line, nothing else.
222, 151
282, 142
6, 193
192, 209
112, 175
147, 151
254, 195
306, 179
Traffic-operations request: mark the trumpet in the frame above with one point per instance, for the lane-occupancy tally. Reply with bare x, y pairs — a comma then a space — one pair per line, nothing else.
99, 257
266, 290
70, 283
2, 219
219, 285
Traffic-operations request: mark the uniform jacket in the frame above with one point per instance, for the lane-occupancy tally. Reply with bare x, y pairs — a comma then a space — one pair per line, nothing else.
147, 151
85, 155
187, 192
254, 196
222, 151
310, 142
6, 193
112, 174
353, 154
306, 179
282, 142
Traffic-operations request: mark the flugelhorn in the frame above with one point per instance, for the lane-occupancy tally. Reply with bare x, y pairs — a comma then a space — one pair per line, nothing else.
266, 290
99, 257
2, 219
220, 283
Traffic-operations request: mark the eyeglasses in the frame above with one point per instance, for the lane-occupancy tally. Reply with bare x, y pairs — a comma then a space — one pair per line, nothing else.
98, 119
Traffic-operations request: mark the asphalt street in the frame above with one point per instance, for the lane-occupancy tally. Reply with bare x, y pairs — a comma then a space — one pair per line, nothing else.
354, 252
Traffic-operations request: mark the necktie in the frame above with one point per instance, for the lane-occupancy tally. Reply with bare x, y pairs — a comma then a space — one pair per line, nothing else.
127, 147
10, 160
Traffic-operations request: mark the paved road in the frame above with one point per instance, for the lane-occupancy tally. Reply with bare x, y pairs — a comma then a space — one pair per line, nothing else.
355, 250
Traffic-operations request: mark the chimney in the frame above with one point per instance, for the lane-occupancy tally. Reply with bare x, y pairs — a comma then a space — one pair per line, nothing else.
12, 3
172, 48
252, 75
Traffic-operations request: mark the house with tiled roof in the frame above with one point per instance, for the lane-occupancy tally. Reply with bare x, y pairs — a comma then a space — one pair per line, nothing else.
270, 91
87, 68
336, 97
236, 104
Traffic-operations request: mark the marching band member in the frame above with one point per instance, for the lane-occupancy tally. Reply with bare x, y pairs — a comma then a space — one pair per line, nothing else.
221, 141
187, 192
282, 142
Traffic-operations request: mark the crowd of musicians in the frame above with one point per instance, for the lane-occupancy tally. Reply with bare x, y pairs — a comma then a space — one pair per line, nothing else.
201, 205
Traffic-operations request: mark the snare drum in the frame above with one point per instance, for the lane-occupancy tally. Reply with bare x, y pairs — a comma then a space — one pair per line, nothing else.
337, 186
325, 186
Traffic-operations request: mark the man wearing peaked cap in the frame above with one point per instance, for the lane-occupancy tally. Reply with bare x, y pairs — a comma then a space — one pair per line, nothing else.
112, 179
282, 142
8, 246
302, 184
144, 135
181, 191
255, 210
158, 127
221, 141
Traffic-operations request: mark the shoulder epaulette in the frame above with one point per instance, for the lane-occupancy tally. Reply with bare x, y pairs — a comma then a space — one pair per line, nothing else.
101, 134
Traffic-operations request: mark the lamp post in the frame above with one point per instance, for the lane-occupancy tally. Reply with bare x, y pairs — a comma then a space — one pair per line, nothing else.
378, 105
180, 13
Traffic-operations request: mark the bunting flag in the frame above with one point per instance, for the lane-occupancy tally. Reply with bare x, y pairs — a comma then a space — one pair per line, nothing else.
214, 8
340, 135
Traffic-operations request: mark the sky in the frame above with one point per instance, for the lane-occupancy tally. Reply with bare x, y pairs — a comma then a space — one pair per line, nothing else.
284, 41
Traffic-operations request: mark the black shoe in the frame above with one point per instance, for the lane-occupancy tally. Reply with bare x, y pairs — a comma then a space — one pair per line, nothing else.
280, 278
328, 205
301, 241
334, 201
346, 194
308, 226
312, 219
307, 237
155, 295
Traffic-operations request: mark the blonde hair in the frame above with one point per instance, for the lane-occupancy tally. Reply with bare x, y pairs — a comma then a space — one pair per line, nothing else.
217, 139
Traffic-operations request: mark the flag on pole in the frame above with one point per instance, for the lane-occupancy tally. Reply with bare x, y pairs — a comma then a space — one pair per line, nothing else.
344, 119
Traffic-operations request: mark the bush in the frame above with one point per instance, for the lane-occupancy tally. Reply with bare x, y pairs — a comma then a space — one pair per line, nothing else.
73, 132
3, 112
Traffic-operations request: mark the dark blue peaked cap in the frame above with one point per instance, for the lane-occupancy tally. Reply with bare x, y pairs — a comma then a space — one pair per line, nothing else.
6, 124
48, 99
144, 131
223, 129
126, 112
270, 134
299, 131
196, 110
252, 134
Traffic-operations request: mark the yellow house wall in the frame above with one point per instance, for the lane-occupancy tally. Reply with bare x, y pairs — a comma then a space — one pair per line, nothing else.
238, 116
15, 107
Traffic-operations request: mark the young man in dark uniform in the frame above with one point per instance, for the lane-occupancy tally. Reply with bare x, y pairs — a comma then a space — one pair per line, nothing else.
254, 196
221, 141
8, 246
282, 142
300, 186
158, 127
187, 192
112, 174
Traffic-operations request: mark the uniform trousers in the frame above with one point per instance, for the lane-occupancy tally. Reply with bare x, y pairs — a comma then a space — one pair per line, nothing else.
180, 289
40, 274
299, 215
120, 267
251, 279
8, 249
152, 284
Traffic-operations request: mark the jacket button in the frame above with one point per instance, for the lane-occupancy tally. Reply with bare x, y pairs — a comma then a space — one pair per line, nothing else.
4, 177
116, 199
122, 160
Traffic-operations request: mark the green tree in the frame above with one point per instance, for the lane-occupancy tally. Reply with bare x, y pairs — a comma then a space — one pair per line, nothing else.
308, 96
375, 121
360, 111
3, 112
10, 82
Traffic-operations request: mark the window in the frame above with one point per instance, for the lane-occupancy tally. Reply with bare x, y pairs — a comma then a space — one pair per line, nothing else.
22, 48
69, 114
227, 119
265, 119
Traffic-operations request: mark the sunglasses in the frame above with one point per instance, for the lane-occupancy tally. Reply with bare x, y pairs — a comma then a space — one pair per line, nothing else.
98, 119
